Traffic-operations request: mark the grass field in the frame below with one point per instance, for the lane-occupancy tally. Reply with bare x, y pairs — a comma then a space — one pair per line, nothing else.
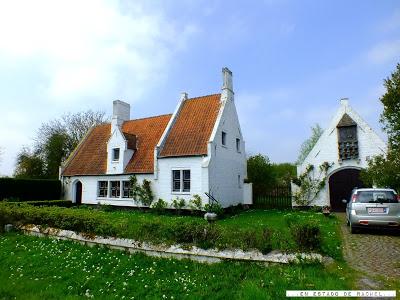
43, 268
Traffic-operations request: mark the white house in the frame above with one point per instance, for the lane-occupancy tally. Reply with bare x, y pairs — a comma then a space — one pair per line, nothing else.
198, 149
347, 145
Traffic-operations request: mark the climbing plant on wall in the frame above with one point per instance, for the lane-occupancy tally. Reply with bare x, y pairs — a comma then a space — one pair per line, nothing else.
310, 185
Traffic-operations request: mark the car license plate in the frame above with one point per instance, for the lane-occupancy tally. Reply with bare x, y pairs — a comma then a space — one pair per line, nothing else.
377, 210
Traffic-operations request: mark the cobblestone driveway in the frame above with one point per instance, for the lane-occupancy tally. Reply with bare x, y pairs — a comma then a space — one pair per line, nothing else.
371, 251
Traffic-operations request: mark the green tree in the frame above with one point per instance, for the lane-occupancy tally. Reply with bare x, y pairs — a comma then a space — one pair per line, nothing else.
54, 142
260, 172
308, 144
384, 171
283, 173
55, 150
29, 165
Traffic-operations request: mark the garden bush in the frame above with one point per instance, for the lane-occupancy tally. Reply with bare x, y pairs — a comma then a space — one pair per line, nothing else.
305, 232
29, 189
59, 203
159, 206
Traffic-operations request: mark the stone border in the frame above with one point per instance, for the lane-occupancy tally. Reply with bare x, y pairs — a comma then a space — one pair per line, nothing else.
174, 251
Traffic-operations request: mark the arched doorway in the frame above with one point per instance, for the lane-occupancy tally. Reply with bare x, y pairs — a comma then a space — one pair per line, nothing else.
341, 185
78, 192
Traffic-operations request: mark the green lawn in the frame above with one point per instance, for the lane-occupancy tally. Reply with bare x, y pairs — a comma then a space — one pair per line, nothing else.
43, 268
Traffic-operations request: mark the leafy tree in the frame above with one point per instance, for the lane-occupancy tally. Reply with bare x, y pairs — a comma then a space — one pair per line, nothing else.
55, 141
55, 150
260, 172
29, 165
390, 117
283, 173
72, 126
384, 171
308, 144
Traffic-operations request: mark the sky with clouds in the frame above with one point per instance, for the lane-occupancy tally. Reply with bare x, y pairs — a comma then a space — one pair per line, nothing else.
292, 61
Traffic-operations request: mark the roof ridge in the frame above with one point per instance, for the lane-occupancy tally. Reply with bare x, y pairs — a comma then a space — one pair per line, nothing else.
194, 98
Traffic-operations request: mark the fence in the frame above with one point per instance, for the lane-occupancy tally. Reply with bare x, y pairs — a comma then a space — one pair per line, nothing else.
277, 197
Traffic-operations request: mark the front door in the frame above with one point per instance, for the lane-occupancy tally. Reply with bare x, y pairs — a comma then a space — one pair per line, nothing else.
78, 193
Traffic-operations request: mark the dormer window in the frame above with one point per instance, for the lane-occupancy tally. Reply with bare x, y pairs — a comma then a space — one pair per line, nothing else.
223, 138
115, 154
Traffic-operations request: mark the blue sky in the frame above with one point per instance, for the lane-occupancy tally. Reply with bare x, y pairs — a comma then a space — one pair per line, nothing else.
292, 61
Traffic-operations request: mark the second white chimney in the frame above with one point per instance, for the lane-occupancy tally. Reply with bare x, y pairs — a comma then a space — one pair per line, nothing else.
121, 113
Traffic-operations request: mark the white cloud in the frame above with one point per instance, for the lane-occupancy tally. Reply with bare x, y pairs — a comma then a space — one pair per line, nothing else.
78, 54
83, 44
384, 52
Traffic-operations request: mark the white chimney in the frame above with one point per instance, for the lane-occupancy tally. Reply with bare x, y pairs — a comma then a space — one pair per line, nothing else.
121, 113
344, 101
227, 86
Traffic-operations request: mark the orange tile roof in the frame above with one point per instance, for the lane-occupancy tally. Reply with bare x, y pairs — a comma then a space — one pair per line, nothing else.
192, 128
91, 157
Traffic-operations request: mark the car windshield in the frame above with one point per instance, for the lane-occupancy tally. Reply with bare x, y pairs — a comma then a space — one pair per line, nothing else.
376, 197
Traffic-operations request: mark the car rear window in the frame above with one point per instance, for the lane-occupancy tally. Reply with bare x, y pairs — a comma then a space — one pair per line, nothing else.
376, 197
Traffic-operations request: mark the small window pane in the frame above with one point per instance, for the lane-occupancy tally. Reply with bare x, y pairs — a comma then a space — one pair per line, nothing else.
176, 180
126, 189
186, 180
115, 189
223, 138
116, 154
238, 145
103, 187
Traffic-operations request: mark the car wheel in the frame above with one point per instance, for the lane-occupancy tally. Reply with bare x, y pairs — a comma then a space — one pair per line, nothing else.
352, 228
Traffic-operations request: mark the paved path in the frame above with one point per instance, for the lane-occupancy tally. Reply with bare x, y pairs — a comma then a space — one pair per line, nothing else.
376, 253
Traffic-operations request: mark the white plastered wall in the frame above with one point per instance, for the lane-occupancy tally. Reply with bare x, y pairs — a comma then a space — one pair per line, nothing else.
90, 188
227, 166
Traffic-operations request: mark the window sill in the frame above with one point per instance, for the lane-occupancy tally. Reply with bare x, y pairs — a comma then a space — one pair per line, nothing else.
180, 193
113, 199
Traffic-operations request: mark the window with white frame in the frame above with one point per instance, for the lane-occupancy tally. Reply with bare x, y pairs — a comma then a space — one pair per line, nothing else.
115, 189
126, 189
238, 145
115, 154
239, 181
102, 189
223, 138
181, 181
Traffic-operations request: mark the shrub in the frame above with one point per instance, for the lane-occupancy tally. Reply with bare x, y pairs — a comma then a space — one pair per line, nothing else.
60, 203
306, 233
196, 203
214, 208
178, 203
159, 206
255, 239
146, 195
29, 189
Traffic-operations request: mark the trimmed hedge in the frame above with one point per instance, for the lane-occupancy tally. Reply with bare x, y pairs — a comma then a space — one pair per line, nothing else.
59, 203
29, 189
179, 231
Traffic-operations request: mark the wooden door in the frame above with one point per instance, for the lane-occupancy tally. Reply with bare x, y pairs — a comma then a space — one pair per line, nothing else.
341, 185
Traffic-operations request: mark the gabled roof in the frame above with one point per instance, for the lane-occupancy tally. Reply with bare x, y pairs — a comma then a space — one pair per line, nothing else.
188, 136
91, 156
192, 128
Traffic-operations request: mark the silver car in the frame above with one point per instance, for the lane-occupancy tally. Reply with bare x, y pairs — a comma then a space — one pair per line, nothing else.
373, 208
